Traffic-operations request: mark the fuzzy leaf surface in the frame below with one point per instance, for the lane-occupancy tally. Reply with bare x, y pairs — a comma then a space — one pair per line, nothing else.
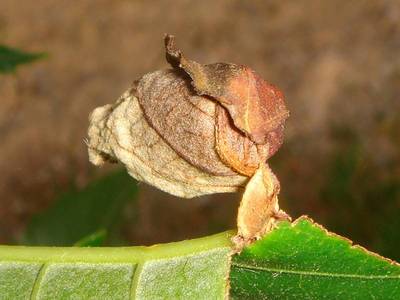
194, 269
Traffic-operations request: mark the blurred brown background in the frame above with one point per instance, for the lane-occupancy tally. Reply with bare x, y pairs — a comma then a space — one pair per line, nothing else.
338, 63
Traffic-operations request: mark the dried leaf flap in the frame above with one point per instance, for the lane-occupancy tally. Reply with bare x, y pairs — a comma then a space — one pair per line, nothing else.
256, 107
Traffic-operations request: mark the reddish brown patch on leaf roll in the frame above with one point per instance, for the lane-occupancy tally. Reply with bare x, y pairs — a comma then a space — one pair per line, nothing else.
235, 149
256, 109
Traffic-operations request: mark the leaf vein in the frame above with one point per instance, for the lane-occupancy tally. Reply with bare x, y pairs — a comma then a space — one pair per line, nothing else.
135, 280
311, 273
38, 280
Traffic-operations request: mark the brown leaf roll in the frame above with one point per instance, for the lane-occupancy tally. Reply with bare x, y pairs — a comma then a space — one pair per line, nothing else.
198, 129
218, 122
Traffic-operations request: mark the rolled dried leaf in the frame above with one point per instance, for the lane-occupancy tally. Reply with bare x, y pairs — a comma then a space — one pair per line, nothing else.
198, 129
259, 209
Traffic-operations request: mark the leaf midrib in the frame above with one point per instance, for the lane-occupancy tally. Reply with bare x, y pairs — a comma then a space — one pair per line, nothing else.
136, 254
313, 273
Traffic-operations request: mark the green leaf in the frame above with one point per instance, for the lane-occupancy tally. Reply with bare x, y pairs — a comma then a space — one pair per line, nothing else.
195, 269
78, 213
10, 58
303, 261
295, 261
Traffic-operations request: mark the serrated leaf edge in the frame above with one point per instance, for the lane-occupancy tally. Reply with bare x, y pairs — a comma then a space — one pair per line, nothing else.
347, 240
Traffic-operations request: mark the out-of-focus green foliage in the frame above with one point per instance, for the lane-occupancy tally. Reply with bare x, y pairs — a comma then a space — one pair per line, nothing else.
10, 58
77, 214
95, 239
363, 197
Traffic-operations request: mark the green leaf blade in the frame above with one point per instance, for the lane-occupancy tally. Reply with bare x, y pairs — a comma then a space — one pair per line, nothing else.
11, 58
304, 261
278, 285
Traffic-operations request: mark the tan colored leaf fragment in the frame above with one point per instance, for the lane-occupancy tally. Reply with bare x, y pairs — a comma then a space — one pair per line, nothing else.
259, 210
